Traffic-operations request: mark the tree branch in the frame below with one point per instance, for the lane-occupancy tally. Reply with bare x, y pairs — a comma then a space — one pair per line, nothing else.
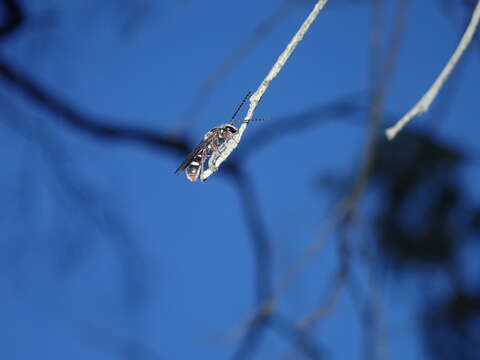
426, 100
14, 18
75, 118
272, 74
206, 87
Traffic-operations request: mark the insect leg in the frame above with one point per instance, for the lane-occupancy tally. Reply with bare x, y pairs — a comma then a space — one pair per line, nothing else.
202, 162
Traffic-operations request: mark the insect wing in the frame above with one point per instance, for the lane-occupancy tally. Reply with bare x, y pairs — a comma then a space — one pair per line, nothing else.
191, 156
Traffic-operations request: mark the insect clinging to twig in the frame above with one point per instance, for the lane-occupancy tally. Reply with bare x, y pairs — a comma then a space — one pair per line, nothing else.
216, 146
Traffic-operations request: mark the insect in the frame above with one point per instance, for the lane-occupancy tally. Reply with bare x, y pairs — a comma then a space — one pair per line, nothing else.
216, 146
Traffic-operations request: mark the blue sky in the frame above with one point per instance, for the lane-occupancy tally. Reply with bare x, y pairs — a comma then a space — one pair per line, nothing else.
106, 251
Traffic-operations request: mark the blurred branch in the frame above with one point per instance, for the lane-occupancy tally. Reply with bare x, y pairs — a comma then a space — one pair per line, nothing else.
333, 295
305, 324
299, 338
14, 18
381, 71
260, 243
341, 107
426, 100
375, 343
250, 342
78, 197
345, 209
263, 273
75, 118
380, 82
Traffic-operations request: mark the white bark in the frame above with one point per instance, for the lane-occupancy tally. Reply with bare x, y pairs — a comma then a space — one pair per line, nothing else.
257, 95
426, 100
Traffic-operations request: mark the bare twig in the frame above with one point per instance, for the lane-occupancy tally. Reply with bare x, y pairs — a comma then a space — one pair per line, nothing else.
207, 86
426, 100
282, 59
333, 295
272, 74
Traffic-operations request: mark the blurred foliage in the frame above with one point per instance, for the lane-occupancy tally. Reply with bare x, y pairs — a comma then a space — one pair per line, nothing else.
424, 222
421, 200
452, 326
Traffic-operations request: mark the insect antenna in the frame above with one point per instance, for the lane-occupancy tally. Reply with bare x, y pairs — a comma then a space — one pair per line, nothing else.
255, 119
240, 106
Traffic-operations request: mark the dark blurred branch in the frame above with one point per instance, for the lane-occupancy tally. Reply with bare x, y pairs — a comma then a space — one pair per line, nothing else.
380, 81
250, 341
14, 18
345, 208
263, 280
78, 197
262, 259
300, 339
260, 243
375, 342
343, 106
333, 295
100, 128
344, 214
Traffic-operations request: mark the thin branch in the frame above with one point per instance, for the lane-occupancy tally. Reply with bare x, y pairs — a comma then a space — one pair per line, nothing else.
272, 74
207, 86
299, 338
375, 342
251, 340
426, 100
282, 59
333, 295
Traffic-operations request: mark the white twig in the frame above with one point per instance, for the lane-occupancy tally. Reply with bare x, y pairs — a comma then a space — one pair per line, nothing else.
426, 100
257, 95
